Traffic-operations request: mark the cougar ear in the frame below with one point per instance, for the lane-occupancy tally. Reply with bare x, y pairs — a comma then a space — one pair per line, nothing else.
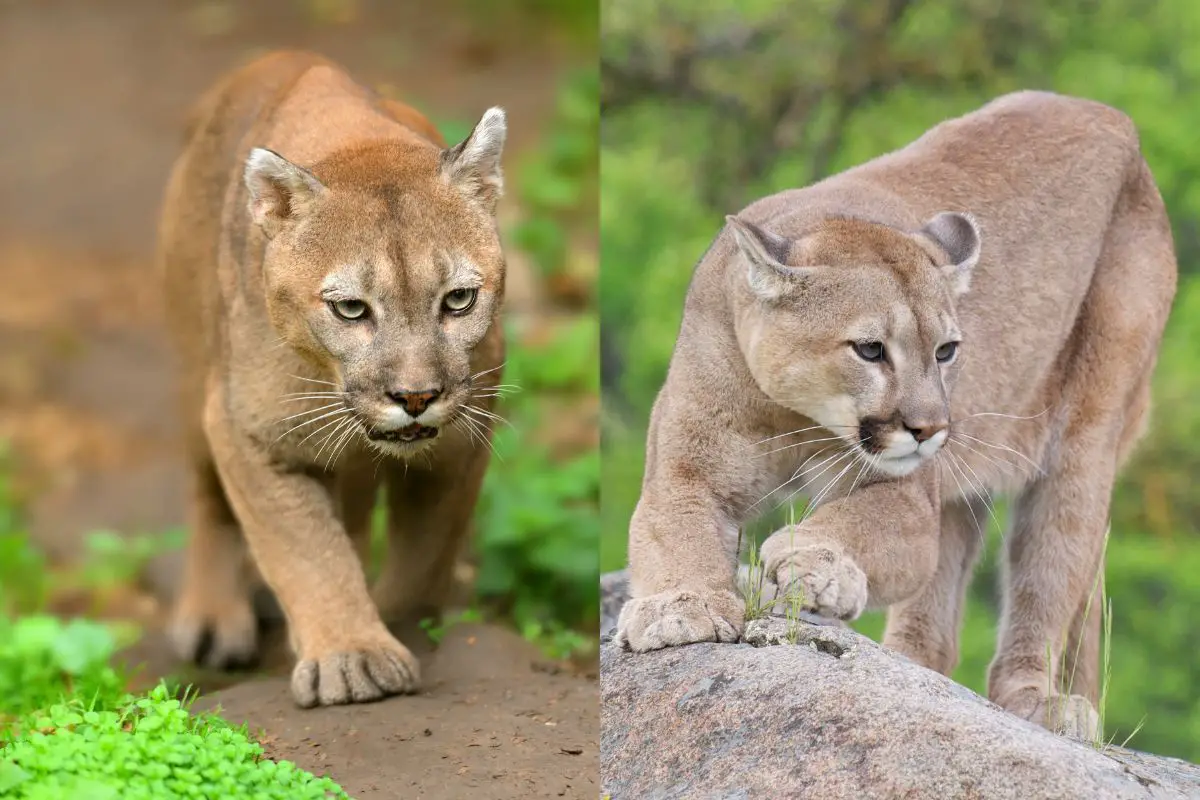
279, 190
767, 254
474, 163
958, 235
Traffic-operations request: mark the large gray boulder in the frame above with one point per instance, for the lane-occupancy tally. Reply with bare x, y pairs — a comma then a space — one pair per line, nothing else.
799, 710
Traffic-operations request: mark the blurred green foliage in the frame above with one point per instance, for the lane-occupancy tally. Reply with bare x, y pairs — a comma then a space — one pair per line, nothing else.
558, 185
44, 660
577, 18
109, 560
24, 580
538, 529
708, 106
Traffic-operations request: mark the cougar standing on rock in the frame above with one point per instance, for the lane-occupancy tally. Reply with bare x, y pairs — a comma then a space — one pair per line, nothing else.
976, 313
334, 279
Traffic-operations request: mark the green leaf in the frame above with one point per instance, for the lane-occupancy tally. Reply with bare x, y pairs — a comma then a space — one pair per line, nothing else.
83, 644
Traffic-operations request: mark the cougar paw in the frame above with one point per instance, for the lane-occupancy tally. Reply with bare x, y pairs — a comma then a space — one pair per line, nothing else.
355, 673
822, 579
670, 619
1069, 715
220, 635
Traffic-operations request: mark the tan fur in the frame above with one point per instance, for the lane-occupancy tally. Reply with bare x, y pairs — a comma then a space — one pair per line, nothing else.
354, 200
1055, 268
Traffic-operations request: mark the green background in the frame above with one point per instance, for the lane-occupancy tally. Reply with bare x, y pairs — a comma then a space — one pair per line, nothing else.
709, 106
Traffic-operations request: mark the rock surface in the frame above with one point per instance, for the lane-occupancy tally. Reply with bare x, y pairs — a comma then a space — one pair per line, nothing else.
807, 711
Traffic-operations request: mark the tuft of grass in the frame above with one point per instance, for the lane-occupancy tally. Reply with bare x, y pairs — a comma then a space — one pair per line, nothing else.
795, 604
753, 586
1106, 654
1067, 682
1106, 681
754, 592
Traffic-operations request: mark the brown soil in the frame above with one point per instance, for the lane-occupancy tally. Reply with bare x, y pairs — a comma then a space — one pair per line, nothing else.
493, 722
92, 97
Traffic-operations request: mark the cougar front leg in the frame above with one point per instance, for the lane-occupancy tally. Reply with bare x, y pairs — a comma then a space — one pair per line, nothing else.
926, 627
430, 515
358, 491
683, 537
874, 547
344, 652
682, 565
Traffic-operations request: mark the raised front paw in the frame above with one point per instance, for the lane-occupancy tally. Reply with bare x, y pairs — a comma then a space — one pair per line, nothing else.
820, 578
1069, 715
670, 619
215, 632
356, 671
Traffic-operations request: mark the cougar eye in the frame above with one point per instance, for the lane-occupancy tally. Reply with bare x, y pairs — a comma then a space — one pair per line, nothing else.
460, 300
349, 309
868, 351
946, 352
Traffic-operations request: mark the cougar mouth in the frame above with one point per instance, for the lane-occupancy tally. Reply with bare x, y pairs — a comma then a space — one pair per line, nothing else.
409, 433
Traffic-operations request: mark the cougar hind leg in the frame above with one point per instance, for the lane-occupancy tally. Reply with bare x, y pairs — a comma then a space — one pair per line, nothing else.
1059, 521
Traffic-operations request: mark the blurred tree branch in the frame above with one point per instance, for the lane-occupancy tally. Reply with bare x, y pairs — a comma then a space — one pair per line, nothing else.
796, 85
633, 78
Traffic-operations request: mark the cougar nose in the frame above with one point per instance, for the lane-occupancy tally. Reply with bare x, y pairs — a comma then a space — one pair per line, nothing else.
923, 432
414, 403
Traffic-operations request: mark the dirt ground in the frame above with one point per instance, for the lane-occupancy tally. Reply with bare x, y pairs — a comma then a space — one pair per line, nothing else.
91, 99
493, 722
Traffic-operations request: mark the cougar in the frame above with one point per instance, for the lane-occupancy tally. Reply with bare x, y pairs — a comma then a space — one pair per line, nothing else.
334, 278
975, 314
